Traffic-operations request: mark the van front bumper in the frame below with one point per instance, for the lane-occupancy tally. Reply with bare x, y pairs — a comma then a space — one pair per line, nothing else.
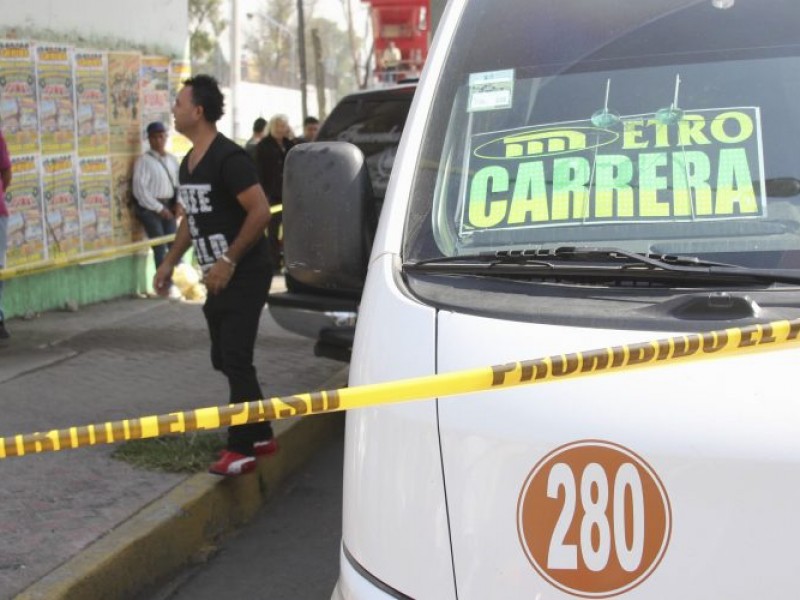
355, 583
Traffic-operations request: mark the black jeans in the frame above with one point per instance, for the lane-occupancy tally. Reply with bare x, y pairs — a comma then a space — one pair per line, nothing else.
155, 226
232, 317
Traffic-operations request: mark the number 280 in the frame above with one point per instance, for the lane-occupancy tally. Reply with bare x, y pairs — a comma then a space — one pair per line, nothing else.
594, 495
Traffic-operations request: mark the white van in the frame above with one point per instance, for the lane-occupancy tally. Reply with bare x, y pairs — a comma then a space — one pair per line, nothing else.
575, 174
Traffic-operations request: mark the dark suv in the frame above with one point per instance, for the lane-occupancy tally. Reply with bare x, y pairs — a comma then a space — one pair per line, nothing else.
373, 121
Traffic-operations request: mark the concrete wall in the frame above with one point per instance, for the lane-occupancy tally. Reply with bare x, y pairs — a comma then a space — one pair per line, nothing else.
161, 26
78, 285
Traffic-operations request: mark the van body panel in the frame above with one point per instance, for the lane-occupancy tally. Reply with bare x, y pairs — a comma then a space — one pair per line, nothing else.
353, 586
720, 434
395, 518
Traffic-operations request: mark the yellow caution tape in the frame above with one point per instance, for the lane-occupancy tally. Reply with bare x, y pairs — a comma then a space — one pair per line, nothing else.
682, 348
62, 261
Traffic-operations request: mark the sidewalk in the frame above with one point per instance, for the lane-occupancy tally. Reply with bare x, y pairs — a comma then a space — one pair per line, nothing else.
108, 361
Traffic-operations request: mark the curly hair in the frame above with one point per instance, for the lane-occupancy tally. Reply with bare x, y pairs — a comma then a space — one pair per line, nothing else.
206, 93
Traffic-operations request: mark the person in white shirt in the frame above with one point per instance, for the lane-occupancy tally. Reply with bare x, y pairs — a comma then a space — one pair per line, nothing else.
155, 186
391, 58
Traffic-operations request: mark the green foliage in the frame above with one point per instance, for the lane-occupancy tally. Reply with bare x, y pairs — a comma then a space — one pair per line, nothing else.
190, 453
272, 46
205, 26
336, 56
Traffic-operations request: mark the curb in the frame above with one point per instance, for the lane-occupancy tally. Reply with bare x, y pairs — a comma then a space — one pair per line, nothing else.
178, 528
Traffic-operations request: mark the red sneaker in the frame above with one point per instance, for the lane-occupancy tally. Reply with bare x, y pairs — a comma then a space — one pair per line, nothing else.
232, 464
265, 447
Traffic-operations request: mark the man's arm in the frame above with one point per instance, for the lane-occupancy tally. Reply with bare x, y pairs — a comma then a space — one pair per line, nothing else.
163, 275
255, 203
5, 163
5, 175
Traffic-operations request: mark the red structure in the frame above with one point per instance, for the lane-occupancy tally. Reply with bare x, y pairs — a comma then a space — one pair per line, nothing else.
407, 23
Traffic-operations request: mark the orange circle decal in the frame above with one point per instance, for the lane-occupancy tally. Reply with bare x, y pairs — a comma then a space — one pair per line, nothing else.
594, 519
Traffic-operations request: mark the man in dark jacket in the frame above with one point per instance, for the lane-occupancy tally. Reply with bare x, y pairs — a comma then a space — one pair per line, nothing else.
270, 156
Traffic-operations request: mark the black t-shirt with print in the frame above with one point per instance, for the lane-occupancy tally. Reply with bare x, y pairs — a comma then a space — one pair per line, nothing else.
213, 214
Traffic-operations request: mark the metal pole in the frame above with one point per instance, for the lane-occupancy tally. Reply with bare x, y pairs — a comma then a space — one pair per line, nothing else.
319, 72
301, 50
236, 66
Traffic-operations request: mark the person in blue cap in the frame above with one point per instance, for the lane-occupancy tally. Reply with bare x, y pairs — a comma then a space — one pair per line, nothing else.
155, 187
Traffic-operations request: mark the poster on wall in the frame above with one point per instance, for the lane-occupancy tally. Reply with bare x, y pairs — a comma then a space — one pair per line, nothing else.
18, 114
179, 71
155, 92
91, 93
56, 98
94, 183
25, 222
62, 217
125, 116
125, 226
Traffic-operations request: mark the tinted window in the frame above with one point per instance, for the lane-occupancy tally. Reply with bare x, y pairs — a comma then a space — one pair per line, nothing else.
375, 125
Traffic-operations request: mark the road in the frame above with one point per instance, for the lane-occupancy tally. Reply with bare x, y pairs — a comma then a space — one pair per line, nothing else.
289, 551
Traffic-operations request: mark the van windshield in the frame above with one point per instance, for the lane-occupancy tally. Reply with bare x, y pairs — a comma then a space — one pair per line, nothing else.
653, 126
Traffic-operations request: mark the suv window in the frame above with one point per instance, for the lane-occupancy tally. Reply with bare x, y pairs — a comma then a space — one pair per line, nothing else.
656, 126
374, 122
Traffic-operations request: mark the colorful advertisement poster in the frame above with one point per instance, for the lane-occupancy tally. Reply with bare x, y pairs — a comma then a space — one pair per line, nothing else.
155, 92
56, 98
125, 118
94, 183
62, 217
91, 87
179, 71
18, 110
122, 217
25, 222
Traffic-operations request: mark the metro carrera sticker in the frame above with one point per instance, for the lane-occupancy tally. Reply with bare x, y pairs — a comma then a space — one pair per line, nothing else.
706, 166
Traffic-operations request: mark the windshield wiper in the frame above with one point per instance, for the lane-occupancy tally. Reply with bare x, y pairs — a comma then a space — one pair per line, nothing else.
584, 262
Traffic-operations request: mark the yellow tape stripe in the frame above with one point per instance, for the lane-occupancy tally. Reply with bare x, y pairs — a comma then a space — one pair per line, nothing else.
684, 348
60, 262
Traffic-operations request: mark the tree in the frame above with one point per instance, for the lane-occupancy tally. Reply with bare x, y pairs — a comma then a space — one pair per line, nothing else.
355, 54
272, 45
205, 26
336, 55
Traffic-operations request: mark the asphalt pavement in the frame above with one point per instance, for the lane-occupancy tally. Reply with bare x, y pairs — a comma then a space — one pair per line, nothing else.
114, 360
290, 550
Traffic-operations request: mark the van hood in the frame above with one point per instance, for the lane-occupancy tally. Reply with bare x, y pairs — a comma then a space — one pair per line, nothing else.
653, 483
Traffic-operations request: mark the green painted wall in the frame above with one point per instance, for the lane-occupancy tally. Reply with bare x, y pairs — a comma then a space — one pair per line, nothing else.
81, 284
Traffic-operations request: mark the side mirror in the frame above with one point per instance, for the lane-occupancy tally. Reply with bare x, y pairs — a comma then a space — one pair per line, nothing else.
328, 216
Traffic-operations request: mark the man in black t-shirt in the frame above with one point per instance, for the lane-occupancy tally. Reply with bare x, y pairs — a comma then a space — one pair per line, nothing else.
226, 214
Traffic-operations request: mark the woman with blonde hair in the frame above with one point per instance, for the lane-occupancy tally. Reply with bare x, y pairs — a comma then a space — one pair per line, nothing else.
270, 156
